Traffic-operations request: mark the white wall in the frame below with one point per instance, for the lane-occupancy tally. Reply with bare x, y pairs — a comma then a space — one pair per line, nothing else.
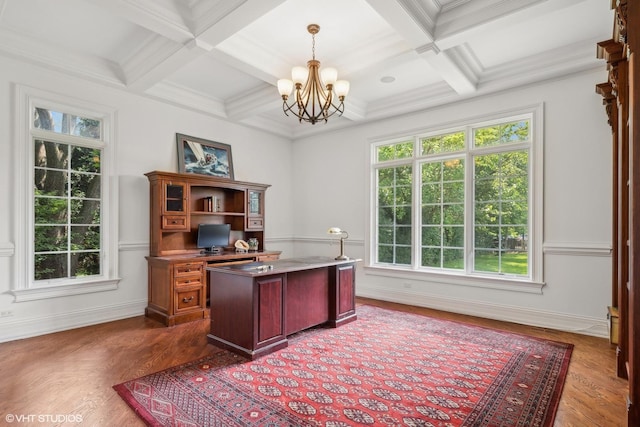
330, 189
145, 141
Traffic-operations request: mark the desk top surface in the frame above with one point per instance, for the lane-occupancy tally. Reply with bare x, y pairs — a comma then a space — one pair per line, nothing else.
211, 257
255, 269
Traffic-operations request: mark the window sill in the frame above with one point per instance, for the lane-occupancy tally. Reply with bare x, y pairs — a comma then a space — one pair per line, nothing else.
476, 281
63, 290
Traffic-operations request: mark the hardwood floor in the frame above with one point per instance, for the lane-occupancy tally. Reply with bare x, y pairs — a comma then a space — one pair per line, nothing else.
70, 374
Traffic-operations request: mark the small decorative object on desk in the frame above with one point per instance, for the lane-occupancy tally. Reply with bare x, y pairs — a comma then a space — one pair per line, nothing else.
253, 244
241, 246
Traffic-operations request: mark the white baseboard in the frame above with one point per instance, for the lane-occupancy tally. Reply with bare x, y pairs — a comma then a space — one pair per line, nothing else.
592, 326
34, 326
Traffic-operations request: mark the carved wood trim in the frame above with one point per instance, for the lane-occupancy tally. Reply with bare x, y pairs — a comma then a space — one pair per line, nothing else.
620, 24
606, 91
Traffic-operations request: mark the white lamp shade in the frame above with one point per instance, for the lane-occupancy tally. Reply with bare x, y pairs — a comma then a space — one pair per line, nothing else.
285, 86
341, 87
329, 75
299, 74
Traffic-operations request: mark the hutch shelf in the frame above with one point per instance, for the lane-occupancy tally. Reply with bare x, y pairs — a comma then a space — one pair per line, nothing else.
177, 281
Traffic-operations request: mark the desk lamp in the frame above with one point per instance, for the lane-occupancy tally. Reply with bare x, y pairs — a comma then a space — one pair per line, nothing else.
343, 236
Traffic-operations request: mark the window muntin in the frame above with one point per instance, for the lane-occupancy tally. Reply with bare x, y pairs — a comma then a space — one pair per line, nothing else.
472, 200
67, 197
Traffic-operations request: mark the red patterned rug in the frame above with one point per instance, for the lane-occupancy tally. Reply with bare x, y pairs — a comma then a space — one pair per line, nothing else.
388, 368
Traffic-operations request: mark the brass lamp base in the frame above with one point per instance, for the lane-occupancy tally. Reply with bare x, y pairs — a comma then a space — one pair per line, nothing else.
342, 256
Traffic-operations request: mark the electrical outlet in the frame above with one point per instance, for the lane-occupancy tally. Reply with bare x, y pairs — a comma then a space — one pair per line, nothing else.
7, 313
407, 285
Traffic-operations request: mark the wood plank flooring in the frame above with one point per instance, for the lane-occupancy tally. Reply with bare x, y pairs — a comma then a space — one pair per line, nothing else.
71, 373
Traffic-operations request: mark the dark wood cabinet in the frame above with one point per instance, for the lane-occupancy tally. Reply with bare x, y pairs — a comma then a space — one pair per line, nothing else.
174, 206
343, 300
177, 285
255, 209
621, 97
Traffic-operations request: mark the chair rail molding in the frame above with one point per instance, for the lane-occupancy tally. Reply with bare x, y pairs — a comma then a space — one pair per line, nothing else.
577, 248
7, 249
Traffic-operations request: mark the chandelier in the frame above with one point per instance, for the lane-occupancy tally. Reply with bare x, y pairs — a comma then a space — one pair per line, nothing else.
315, 93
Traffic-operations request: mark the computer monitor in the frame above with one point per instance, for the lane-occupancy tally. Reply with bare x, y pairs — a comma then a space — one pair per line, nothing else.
213, 237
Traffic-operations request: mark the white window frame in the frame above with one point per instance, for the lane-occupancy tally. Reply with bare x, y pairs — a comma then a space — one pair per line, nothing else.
24, 287
535, 280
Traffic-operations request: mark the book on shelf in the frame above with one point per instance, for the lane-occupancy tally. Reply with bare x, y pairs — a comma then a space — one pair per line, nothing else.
209, 204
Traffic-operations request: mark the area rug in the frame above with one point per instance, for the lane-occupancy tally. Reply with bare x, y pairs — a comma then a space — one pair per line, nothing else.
388, 368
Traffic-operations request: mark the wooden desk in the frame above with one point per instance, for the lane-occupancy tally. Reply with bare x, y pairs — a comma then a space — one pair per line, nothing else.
178, 287
254, 307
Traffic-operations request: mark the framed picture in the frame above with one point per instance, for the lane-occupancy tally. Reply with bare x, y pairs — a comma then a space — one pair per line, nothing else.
197, 155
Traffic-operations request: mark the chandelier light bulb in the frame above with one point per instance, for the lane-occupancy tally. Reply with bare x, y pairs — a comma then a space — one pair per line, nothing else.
285, 86
329, 75
342, 88
299, 75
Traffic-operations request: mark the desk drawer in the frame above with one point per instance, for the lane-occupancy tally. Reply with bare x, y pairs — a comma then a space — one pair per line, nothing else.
188, 269
188, 281
188, 299
255, 223
174, 222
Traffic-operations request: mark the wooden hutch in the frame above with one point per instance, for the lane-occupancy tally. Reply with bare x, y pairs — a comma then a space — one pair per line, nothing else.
621, 95
177, 282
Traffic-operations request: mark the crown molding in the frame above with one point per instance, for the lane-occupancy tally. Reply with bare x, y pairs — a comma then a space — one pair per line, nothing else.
31, 51
187, 98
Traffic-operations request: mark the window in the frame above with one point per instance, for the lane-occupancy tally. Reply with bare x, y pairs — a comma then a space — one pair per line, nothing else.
66, 196
460, 201
67, 213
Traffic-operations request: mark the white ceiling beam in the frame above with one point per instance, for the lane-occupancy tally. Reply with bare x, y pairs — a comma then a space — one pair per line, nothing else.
35, 52
214, 29
149, 70
414, 28
415, 24
461, 24
459, 76
151, 15
158, 60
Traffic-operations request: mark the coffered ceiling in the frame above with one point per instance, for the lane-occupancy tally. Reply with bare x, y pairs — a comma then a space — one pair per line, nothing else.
223, 57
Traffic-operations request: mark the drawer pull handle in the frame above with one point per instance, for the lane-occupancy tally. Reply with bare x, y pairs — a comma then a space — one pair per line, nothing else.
187, 299
187, 281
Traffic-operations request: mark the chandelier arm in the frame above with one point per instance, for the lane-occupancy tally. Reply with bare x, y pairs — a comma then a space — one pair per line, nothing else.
304, 115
